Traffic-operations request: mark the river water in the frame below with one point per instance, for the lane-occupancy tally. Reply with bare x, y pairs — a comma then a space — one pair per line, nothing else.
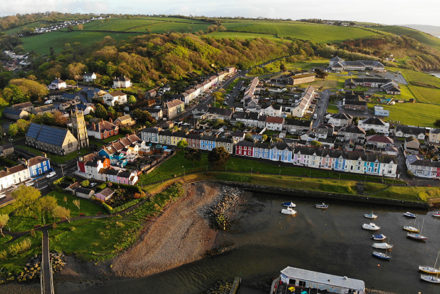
330, 241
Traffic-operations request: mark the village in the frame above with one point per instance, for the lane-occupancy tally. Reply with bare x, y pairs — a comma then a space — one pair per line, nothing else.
280, 118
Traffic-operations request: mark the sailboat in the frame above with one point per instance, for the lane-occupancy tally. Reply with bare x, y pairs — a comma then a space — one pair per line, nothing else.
432, 270
381, 255
409, 214
436, 214
430, 279
411, 229
370, 215
417, 236
288, 211
378, 237
371, 227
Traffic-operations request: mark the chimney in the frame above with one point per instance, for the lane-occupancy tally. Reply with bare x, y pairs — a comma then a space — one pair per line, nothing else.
110, 120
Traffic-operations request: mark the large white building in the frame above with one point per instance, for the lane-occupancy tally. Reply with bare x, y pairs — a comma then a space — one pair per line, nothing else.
121, 82
375, 124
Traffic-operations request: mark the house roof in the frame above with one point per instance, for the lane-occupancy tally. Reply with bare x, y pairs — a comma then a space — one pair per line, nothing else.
106, 192
380, 139
274, 119
36, 160
373, 121
117, 93
47, 134
341, 116
12, 170
174, 103
220, 111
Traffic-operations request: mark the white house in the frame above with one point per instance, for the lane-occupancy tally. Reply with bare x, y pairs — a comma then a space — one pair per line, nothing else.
274, 123
116, 97
121, 82
89, 77
14, 176
410, 131
340, 119
272, 110
375, 124
434, 136
57, 84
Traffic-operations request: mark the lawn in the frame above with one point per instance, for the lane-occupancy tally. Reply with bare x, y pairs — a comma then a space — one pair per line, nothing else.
320, 33
416, 114
332, 108
178, 165
87, 206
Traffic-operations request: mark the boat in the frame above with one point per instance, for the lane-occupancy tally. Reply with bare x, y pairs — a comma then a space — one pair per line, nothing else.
430, 279
409, 214
385, 246
288, 211
436, 214
381, 255
411, 229
370, 227
432, 270
289, 204
429, 270
370, 215
321, 206
378, 237
416, 236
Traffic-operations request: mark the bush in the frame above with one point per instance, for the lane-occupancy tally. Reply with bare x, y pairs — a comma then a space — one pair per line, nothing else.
19, 247
85, 183
107, 207
101, 186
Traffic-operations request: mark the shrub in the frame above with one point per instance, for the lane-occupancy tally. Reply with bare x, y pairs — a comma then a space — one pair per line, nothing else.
101, 186
19, 247
107, 207
85, 183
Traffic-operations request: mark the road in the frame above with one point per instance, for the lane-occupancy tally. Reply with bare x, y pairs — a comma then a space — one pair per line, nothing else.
46, 267
321, 108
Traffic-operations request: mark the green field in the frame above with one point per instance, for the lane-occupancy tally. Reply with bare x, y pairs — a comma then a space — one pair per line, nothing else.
305, 31
240, 35
416, 114
422, 37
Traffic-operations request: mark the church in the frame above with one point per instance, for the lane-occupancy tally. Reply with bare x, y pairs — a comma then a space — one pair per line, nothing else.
58, 140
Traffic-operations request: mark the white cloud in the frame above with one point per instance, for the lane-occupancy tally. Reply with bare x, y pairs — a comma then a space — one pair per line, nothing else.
382, 11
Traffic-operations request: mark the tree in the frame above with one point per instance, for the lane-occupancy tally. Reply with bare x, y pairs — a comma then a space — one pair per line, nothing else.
13, 130
193, 154
47, 206
142, 116
77, 203
62, 213
100, 111
25, 200
4, 218
131, 100
85, 183
75, 70
316, 143
437, 123
218, 156
182, 144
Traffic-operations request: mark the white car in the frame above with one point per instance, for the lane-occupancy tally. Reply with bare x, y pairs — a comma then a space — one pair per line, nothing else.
2, 195
51, 174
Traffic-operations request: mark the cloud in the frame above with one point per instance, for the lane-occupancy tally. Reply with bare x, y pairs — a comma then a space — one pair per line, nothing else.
382, 11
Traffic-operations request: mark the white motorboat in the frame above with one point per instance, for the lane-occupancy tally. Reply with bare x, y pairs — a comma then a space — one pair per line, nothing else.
385, 246
409, 214
370, 227
370, 215
381, 255
417, 237
288, 211
321, 206
430, 279
411, 229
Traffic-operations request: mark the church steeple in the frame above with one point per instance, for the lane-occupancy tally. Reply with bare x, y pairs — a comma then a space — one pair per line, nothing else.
79, 128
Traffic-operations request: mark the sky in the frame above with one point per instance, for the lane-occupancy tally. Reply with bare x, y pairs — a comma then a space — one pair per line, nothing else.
425, 12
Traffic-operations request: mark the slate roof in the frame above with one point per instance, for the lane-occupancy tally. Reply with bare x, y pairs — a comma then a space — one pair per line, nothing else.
36, 160
47, 134
373, 121
174, 103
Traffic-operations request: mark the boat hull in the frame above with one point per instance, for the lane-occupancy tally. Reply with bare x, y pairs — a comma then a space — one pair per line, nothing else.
381, 255
430, 279
429, 270
416, 237
288, 211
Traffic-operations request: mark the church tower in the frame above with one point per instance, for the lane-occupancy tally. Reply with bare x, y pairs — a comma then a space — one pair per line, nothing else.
79, 128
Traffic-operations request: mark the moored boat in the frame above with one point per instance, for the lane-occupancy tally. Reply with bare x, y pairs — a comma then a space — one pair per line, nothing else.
385, 246
378, 237
430, 279
409, 214
436, 214
289, 204
416, 236
288, 211
371, 227
370, 215
381, 255
321, 206
411, 229
429, 270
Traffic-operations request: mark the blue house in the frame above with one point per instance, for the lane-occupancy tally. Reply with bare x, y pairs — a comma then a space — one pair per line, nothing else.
207, 143
116, 158
38, 165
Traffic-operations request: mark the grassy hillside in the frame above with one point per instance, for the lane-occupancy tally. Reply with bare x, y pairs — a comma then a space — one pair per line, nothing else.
422, 37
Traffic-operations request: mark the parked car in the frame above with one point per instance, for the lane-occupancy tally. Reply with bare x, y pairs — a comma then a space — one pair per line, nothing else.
2, 195
30, 183
93, 184
51, 174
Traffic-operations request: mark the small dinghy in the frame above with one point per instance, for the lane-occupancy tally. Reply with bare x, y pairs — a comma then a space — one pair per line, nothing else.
381, 255
378, 237
288, 211
411, 229
417, 237
430, 279
436, 214
429, 270
289, 204
385, 246
321, 206
370, 215
409, 214
370, 227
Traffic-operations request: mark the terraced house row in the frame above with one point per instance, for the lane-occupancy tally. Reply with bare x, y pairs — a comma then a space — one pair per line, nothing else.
370, 163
